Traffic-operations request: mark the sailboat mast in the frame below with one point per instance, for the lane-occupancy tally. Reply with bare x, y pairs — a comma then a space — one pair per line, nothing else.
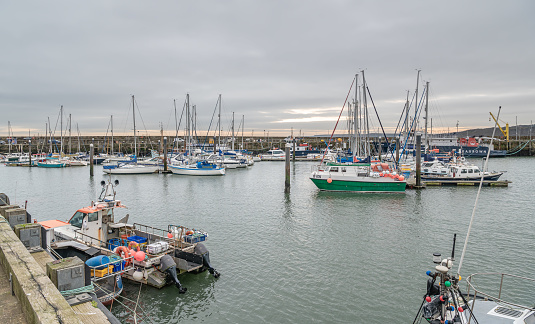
233, 131
426, 114
50, 134
416, 98
355, 144
365, 122
134, 118
70, 134
111, 134
61, 131
242, 126
219, 123
10, 140
78, 130
187, 124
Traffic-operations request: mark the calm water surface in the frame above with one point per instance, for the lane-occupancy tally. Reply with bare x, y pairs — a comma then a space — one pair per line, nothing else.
307, 256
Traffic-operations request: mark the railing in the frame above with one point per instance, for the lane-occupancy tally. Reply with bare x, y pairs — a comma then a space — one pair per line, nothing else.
99, 274
495, 299
83, 237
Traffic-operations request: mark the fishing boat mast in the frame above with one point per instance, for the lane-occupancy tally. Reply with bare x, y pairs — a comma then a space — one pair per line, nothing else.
365, 122
355, 145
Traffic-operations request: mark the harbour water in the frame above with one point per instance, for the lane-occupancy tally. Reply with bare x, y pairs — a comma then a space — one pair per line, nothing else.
306, 256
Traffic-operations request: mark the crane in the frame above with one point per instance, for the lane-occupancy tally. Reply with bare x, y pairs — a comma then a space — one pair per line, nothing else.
504, 132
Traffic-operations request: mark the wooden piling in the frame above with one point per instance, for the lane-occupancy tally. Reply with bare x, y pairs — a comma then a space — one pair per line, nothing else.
91, 159
287, 182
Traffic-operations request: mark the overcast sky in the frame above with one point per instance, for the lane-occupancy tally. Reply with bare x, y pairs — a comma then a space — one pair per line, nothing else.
281, 64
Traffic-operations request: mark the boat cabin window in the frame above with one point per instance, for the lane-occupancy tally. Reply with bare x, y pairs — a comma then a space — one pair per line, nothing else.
464, 171
470, 171
334, 169
77, 219
93, 217
476, 170
343, 169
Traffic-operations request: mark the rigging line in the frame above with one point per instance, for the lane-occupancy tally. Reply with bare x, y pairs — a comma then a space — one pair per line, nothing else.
143, 122
325, 152
380, 123
209, 126
478, 192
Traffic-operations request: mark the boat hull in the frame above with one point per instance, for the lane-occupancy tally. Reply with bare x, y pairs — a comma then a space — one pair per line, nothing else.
196, 171
490, 177
133, 170
51, 165
364, 185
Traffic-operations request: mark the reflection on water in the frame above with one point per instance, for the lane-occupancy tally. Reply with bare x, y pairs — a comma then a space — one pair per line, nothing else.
305, 256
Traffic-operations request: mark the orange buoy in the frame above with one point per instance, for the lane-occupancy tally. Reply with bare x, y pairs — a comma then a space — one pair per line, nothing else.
401, 178
329, 180
189, 232
124, 253
381, 174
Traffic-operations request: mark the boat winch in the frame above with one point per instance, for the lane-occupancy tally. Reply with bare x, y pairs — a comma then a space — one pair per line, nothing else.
203, 251
168, 265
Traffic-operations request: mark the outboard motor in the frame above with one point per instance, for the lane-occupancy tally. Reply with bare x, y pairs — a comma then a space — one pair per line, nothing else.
167, 264
202, 250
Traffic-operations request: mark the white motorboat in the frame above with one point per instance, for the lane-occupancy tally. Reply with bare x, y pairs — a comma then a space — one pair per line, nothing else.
273, 155
200, 168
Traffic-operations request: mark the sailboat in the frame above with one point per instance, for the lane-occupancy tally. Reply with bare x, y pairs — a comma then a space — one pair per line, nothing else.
195, 165
359, 175
132, 167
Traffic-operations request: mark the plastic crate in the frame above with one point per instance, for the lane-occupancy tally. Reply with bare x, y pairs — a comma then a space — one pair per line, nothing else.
137, 239
103, 272
195, 238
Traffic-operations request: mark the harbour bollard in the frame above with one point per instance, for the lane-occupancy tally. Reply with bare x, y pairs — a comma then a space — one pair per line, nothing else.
165, 154
418, 160
287, 182
91, 159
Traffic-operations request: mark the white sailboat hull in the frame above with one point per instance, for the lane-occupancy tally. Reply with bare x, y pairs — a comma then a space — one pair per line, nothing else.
185, 170
132, 169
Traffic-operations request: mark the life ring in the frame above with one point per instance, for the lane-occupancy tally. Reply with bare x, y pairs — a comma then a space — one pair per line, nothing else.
127, 256
189, 232
462, 159
133, 245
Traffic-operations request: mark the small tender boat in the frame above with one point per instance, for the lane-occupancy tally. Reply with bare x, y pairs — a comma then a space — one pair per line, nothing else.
463, 171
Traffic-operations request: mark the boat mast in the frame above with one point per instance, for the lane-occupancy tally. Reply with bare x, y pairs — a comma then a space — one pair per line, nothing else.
416, 103
50, 134
365, 122
111, 134
426, 115
233, 131
78, 130
61, 131
70, 134
134, 117
187, 125
242, 124
355, 144
10, 140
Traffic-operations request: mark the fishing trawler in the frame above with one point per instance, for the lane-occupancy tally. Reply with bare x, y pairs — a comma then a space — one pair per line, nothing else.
141, 253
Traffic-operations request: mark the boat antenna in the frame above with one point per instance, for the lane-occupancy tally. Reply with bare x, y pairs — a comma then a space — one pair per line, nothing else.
478, 192
329, 143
